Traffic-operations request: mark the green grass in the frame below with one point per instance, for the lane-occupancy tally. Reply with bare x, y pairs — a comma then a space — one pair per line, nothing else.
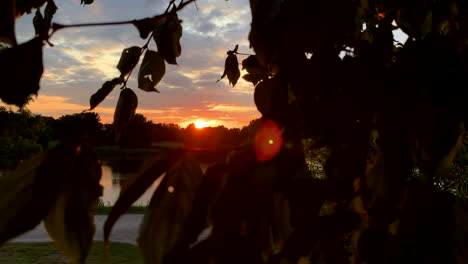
46, 252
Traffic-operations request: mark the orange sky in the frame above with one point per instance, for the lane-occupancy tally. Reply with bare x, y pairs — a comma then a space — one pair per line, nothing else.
84, 58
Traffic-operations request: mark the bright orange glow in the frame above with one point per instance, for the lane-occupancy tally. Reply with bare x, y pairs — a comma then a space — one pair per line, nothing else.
201, 124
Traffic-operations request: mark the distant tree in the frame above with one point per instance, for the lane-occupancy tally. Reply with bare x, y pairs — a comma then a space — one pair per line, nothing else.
82, 125
138, 132
385, 120
22, 135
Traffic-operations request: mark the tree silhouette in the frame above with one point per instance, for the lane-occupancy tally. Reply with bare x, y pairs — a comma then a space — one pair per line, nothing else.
384, 125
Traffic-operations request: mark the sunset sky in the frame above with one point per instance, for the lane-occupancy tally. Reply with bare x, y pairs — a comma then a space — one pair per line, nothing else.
83, 58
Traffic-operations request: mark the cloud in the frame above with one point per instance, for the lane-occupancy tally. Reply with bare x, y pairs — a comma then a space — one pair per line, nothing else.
83, 58
233, 108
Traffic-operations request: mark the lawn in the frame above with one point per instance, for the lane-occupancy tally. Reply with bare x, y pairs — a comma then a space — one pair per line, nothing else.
46, 252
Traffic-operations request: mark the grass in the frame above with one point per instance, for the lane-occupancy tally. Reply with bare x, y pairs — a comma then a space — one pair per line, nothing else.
46, 252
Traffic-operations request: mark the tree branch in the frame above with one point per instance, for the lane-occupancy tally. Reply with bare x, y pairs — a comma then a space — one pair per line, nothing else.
56, 26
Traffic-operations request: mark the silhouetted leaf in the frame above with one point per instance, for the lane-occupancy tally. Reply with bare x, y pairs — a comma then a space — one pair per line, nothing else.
142, 180
231, 68
145, 26
42, 23
167, 37
256, 72
23, 6
169, 208
251, 62
20, 72
7, 22
103, 92
251, 78
86, 2
128, 60
125, 110
39, 24
49, 12
30, 192
152, 66
208, 191
271, 95
71, 222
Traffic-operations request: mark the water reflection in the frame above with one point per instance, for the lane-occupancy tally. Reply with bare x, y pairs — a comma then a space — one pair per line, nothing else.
112, 179
116, 172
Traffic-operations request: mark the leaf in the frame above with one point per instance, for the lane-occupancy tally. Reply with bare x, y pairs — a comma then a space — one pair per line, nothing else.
231, 68
251, 78
145, 26
86, 2
49, 12
169, 208
42, 24
270, 95
30, 192
71, 222
207, 192
125, 110
20, 72
167, 37
25, 6
39, 24
152, 65
250, 62
103, 92
256, 72
7, 20
128, 60
143, 179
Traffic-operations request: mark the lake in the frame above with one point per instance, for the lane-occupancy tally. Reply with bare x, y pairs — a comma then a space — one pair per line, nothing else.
111, 180
113, 175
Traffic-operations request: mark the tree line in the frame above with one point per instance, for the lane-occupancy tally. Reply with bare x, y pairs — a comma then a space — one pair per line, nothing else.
24, 134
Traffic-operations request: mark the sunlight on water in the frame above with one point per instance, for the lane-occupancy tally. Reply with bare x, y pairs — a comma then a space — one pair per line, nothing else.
110, 182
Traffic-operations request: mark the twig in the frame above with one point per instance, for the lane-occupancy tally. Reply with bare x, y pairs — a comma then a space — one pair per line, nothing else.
56, 26
246, 54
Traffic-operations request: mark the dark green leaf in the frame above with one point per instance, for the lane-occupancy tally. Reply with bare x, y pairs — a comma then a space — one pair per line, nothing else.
102, 93
165, 220
71, 222
142, 180
152, 66
30, 192
7, 20
20, 72
128, 60
167, 37
125, 110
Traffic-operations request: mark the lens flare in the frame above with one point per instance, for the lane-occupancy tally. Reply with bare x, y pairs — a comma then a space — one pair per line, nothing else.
268, 141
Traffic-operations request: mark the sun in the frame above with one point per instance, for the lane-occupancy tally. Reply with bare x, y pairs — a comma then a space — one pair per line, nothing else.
201, 124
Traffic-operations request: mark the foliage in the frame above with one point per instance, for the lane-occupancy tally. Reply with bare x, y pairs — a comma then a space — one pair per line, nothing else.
370, 119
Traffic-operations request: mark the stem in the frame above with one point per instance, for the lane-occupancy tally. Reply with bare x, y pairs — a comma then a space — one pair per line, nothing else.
246, 54
155, 19
145, 47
